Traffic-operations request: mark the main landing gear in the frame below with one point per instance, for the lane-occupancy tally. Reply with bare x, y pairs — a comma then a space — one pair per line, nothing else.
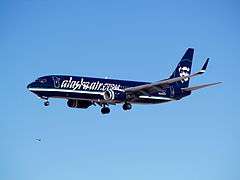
126, 106
105, 109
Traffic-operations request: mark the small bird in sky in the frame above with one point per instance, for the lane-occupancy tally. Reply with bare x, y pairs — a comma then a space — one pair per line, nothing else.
38, 139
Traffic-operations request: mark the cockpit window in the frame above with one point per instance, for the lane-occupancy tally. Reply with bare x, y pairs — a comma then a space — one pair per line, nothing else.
42, 80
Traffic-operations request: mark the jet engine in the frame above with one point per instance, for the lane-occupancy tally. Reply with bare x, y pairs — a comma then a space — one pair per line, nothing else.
114, 95
73, 103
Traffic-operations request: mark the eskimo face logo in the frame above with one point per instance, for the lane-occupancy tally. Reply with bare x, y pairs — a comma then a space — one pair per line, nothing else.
184, 71
56, 82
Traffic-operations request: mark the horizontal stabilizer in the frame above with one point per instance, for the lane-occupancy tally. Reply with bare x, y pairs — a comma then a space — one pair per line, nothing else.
199, 87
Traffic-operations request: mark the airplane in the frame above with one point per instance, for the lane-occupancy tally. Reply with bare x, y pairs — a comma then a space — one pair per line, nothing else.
83, 92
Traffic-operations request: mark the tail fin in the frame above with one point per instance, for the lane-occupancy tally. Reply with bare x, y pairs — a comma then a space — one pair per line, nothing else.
184, 68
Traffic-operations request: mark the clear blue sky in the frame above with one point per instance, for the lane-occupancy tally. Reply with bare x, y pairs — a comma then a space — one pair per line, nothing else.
196, 138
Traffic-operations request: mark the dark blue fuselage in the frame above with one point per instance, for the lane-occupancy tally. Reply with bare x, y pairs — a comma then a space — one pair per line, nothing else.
92, 89
82, 92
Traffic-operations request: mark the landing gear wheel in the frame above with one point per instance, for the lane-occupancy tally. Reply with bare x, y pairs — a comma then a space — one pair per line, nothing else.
105, 110
127, 106
46, 103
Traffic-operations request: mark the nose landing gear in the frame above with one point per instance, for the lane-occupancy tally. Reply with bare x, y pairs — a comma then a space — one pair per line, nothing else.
46, 103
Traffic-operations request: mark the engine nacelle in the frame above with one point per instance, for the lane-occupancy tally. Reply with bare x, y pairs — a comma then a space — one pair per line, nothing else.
114, 95
73, 103
109, 95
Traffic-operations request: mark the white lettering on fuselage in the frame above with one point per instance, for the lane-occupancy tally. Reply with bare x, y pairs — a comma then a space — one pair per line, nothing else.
86, 85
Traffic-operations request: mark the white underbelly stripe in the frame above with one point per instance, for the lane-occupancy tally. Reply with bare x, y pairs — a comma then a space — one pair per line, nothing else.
65, 90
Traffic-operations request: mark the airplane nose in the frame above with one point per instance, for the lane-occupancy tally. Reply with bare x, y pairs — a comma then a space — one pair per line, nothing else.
30, 85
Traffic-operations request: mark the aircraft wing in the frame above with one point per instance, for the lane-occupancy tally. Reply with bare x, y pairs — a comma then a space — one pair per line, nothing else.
154, 87
199, 86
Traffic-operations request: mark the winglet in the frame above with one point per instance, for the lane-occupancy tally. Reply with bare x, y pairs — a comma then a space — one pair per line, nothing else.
204, 66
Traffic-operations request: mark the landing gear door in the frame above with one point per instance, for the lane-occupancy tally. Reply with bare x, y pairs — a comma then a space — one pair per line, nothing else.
172, 91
